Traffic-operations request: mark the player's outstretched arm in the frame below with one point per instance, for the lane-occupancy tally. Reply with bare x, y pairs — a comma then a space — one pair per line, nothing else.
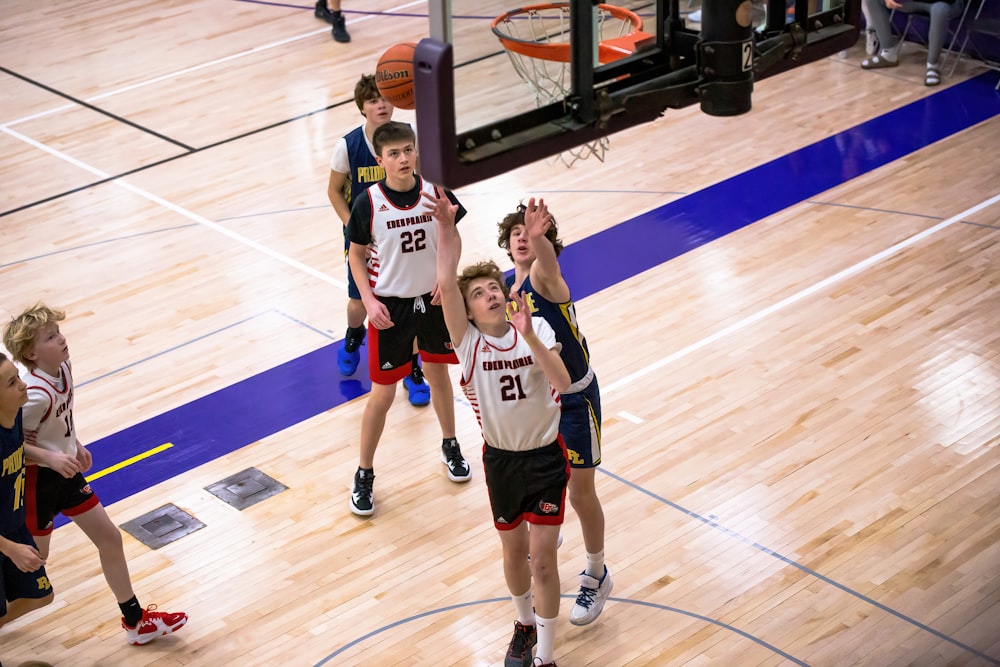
546, 275
449, 252
547, 358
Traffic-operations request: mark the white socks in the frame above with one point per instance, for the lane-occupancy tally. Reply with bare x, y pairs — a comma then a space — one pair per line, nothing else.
525, 607
595, 565
546, 628
892, 55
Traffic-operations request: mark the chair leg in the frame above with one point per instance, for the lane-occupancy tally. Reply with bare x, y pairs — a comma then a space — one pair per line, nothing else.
958, 56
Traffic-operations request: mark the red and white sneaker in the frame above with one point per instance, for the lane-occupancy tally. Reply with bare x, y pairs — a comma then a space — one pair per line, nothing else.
153, 624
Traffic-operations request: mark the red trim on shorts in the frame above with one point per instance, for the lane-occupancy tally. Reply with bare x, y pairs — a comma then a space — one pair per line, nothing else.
545, 520
447, 358
30, 507
83, 507
392, 376
509, 526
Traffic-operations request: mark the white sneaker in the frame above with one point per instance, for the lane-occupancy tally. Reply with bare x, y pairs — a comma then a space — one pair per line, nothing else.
695, 16
590, 601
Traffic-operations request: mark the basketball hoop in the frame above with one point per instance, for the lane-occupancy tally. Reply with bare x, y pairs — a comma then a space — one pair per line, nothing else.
536, 39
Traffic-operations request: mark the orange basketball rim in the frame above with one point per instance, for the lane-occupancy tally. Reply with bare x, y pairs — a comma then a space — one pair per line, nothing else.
608, 50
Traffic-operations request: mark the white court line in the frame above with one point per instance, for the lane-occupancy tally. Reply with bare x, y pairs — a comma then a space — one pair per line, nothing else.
821, 285
628, 416
211, 63
250, 243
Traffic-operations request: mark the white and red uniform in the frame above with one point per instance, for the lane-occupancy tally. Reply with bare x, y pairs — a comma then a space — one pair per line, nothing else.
48, 414
517, 408
48, 424
399, 232
402, 272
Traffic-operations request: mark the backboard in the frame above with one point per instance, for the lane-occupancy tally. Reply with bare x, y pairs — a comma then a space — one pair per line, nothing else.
477, 116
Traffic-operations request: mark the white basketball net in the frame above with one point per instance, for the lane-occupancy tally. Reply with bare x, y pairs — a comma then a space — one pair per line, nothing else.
551, 80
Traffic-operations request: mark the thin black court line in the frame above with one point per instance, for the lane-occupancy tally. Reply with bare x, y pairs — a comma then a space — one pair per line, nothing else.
191, 151
98, 109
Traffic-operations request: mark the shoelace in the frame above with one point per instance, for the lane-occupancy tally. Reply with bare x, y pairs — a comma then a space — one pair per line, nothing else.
520, 641
365, 485
454, 455
586, 597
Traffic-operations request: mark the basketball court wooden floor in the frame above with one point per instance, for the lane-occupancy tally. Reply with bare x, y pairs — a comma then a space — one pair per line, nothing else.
793, 315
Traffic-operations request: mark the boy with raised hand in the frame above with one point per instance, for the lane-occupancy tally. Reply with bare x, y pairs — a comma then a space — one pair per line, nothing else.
393, 259
24, 585
531, 239
56, 461
354, 168
512, 375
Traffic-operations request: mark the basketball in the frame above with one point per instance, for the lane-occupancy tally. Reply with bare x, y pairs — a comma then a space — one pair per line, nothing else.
394, 75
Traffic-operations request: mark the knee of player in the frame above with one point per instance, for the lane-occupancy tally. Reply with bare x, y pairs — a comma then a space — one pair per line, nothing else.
544, 566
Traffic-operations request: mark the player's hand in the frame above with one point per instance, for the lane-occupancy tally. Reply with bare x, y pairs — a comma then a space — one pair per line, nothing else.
436, 295
25, 557
65, 465
378, 315
83, 457
439, 206
892, 4
536, 218
521, 315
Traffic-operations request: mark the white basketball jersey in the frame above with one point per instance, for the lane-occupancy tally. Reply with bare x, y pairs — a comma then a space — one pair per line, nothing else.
404, 245
515, 405
48, 414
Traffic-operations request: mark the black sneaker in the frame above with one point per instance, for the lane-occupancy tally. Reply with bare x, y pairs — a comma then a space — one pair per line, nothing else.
519, 650
362, 497
339, 29
451, 456
323, 12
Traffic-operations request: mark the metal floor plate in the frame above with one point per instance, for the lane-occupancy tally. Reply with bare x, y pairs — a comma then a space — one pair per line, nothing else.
162, 526
246, 488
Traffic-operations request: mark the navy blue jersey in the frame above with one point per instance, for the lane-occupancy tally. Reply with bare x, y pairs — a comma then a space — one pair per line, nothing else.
562, 318
12, 478
365, 170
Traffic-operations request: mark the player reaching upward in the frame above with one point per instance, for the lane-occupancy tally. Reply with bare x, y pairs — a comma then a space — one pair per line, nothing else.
530, 237
512, 373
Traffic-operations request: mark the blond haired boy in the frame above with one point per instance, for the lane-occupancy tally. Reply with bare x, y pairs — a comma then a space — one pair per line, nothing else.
57, 460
